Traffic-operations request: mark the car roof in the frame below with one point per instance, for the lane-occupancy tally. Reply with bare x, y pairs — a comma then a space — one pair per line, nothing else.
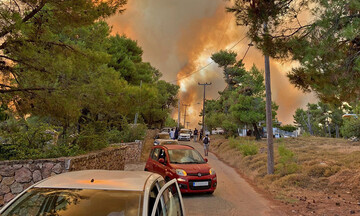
172, 146
99, 179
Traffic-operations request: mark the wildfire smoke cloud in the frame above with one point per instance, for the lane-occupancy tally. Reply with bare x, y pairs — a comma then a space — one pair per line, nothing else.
178, 37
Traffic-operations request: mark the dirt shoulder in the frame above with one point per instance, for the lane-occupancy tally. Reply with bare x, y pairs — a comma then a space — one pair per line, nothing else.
314, 176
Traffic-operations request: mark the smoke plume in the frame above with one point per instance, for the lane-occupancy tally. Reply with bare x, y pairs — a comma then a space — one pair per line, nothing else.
178, 38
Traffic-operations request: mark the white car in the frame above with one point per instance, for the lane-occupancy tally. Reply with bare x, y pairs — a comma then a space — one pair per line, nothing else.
184, 134
99, 192
217, 131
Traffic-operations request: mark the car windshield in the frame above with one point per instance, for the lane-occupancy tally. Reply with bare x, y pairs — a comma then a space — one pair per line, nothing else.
59, 202
185, 131
185, 156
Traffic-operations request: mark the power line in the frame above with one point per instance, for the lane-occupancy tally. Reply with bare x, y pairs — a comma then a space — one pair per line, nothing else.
196, 71
247, 50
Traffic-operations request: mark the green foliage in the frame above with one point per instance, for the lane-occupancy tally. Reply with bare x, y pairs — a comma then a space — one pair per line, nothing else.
29, 138
170, 122
287, 162
129, 133
246, 149
351, 127
289, 128
242, 103
61, 63
326, 46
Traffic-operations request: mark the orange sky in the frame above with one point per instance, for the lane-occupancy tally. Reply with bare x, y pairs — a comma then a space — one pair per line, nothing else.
178, 37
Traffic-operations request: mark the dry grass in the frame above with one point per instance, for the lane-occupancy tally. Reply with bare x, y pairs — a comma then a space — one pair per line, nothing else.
313, 166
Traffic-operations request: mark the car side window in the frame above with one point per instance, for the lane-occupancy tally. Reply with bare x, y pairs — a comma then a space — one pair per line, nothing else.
169, 202
154, 191
162, 154
155, 154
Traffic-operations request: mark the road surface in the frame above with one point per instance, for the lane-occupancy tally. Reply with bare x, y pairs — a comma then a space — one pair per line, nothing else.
233, 195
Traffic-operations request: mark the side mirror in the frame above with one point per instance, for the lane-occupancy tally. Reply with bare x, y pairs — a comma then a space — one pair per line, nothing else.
162, 161
206, 160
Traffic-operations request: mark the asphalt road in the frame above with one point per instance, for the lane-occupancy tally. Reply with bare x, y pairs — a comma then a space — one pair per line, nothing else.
233, 195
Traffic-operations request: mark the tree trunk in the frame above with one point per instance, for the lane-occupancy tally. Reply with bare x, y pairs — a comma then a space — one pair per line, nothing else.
256, 132
329, 129
337, 130
269, 128
309, 123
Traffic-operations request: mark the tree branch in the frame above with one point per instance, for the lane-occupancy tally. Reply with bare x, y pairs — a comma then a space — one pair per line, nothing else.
5, 31
4, 91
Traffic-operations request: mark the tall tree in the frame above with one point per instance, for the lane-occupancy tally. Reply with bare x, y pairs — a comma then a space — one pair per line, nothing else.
261, 17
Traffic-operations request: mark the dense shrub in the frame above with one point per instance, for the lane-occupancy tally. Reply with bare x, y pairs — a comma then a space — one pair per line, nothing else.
246, 149
287, 162
351, 128
129, 133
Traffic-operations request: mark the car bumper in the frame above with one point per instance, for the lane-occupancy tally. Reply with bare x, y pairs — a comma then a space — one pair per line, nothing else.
188, 184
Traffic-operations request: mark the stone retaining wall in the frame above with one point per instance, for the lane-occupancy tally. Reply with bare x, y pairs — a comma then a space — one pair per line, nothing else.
17, 175
133, 151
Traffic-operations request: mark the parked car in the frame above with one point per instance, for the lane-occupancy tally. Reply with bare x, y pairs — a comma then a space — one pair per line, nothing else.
161, 136
166, 129
184, 134
99, 192
218, 131
186, 165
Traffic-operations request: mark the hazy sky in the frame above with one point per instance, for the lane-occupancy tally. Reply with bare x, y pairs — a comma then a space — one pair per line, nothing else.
178, 38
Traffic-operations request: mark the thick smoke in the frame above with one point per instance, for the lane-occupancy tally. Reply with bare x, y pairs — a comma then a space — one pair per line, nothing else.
178, 37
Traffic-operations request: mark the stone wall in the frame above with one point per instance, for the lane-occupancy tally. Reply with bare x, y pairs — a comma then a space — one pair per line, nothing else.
133, 151
17, 175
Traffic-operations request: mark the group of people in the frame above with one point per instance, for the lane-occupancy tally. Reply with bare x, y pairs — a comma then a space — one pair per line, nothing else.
174, 134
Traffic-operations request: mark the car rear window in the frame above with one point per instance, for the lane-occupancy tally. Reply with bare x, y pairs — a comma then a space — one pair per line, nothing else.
66, 202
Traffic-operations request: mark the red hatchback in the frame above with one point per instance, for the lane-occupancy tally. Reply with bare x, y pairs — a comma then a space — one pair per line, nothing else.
185, 164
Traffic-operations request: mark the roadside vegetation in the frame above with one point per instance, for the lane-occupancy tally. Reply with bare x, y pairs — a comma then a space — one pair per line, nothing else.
311, 173
68, 85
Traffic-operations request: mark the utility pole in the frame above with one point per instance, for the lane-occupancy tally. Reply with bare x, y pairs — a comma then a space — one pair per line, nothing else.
178, 123
203, 109
269, 127
185, 105
187, 124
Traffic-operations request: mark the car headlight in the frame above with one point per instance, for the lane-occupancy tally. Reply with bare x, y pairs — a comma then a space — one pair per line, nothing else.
181, 172
212, 171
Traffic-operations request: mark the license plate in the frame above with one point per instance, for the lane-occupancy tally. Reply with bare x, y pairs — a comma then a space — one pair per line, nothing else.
201, 184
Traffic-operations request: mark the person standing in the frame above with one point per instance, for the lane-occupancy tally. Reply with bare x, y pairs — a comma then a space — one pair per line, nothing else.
206, 142
172, 134
195, 134
201, 135
176, 135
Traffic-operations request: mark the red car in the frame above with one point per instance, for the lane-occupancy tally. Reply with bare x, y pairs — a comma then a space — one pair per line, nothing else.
186, 165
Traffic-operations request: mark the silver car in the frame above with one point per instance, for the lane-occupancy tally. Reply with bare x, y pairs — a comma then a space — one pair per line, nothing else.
99, 192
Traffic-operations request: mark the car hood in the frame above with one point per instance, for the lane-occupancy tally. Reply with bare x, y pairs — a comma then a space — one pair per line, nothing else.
193, 168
